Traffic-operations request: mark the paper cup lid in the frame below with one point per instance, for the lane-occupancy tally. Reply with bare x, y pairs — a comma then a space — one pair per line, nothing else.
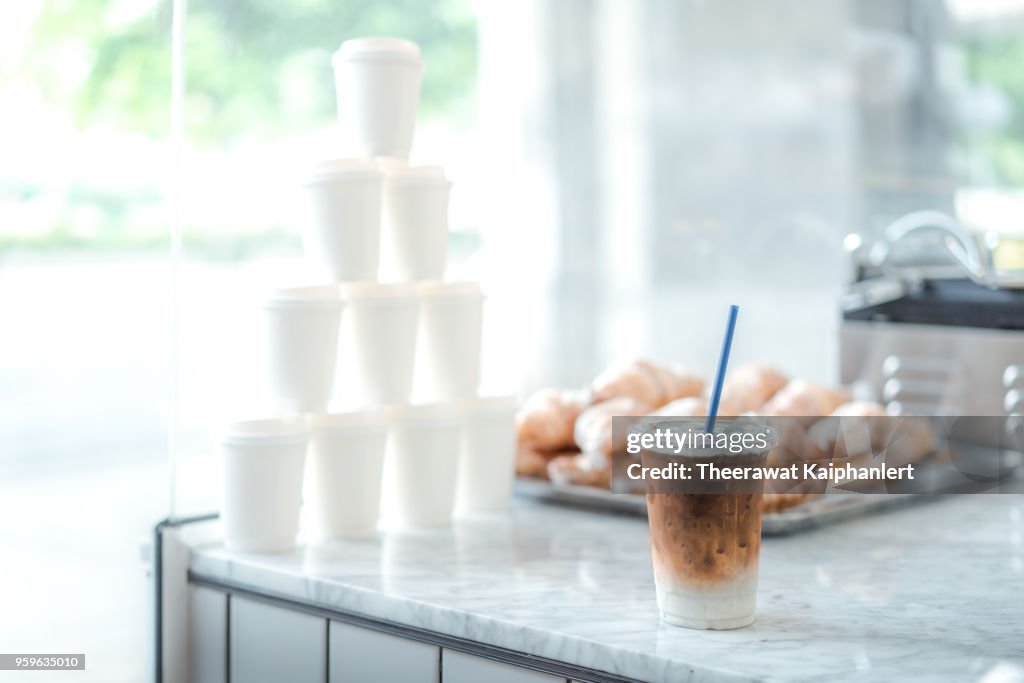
449, 289
420, 412
266, 431
378, 417
389, 165
491, 405
415, 175
378, 49
317, 296
342, 168
377, 291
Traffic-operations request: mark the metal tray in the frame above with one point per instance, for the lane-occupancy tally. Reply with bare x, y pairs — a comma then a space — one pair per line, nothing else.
812, 514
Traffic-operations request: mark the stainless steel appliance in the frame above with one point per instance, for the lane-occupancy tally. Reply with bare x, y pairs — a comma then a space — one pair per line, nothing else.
931, 338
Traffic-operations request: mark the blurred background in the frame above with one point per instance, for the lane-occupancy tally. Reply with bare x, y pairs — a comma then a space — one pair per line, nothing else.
623, 171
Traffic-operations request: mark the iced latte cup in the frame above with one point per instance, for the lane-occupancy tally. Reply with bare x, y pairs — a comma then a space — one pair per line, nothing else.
706, 531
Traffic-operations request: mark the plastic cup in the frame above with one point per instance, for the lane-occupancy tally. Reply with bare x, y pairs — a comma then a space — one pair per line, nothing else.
263, 463
451, 320
341, 218
346, 459
377, 82
487, 458
424, 452
302, 329
382, 324
705, 547
415, 224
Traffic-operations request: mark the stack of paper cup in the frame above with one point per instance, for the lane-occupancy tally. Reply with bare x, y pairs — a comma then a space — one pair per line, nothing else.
302, 331
345, 463
451, 316
415, 231
263, 464
487, 459
377, 227
377, 82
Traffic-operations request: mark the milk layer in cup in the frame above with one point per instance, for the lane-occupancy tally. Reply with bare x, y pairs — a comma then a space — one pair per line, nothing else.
263, 466
341, 214
302, 335
377, 83
705, 550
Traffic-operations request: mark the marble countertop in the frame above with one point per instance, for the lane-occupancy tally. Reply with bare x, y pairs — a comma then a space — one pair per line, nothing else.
931, 591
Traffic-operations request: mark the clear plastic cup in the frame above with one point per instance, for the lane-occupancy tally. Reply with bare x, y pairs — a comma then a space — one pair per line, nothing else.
263, 467
705, 547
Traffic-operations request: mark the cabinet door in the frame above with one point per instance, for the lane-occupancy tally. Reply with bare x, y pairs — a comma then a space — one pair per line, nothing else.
207, 635
360, 654
270, 644
457, 667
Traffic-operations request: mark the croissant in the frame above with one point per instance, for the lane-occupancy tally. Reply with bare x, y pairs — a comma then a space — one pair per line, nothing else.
546, 419
691, 406
580, 471
807, 401
534, 464
594, 427
646, 381
749, 387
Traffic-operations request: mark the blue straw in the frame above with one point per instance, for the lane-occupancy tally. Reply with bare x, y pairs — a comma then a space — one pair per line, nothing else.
716, 395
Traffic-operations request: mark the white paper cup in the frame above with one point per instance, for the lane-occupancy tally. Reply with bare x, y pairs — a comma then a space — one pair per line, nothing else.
451, 323
377, 82
302, 331
263, 463
341, 218
414, 240
383, 325
488, 453
346, 459
424, 452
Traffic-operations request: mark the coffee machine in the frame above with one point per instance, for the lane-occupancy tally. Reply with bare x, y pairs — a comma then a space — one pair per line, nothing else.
938, 333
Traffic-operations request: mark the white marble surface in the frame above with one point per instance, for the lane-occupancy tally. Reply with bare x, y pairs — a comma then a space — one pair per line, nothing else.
931, 592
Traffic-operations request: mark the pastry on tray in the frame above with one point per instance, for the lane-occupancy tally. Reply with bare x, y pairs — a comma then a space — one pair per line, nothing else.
651, 383
566, 436
804, 400
546, 420
593, 433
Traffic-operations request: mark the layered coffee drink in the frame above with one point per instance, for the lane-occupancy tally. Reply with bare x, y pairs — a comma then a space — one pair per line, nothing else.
705, 545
